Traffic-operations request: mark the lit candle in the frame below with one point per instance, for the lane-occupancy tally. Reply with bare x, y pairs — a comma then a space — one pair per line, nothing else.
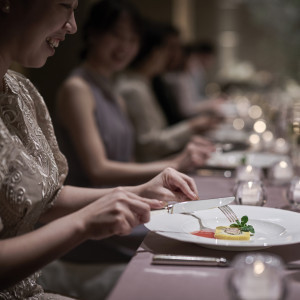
257, 276
249, 194
268, 139
282, 171
281, 146
248, 173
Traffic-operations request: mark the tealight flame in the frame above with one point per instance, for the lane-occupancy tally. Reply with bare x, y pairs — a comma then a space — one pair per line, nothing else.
258, 267
283, 164
249, 168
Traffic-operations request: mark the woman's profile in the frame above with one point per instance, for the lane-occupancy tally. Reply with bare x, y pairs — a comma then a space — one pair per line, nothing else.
33, 170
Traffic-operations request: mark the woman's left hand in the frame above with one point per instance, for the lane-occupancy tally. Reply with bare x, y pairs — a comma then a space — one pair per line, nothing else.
169, 186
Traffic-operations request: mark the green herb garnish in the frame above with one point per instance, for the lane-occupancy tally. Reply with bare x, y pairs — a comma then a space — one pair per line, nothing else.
243, 225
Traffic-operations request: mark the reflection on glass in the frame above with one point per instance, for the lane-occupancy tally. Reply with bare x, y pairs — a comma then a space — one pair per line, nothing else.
257, 276
250, 193
248, 172
293, 193
281, 172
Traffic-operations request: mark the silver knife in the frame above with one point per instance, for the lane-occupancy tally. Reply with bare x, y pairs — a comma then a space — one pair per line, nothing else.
169, 259
191, 206
190, 260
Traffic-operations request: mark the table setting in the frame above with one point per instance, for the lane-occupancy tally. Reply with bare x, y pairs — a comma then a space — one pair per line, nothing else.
253, 174
163, 277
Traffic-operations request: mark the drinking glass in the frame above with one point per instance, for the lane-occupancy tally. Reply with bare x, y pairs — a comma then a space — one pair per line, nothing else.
293, 193
248, 172
250, 192
257, 276
281, 172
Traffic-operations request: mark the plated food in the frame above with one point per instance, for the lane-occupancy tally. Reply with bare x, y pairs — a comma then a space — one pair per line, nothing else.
231, 233
240, 231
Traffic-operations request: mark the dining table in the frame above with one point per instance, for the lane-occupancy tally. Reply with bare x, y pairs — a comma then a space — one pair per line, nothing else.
143, 280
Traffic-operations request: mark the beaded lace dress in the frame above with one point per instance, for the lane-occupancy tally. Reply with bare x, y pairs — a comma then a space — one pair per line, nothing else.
32, 170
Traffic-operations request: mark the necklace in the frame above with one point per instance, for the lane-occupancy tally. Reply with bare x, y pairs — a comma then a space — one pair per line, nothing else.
5, 86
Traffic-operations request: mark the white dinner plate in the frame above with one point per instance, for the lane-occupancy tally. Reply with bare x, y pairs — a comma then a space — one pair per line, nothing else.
273, 227
233, 159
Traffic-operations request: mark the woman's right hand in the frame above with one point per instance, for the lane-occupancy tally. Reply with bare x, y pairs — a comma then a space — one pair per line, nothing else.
115, 214
194, 155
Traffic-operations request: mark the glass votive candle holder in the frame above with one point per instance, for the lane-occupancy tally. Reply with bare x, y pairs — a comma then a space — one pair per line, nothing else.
248, 172
257, 276
250, 192
293, 193
281, 146
281, 172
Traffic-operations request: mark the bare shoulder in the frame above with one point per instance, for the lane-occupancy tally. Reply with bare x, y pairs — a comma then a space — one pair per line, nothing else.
75, 97
74, 84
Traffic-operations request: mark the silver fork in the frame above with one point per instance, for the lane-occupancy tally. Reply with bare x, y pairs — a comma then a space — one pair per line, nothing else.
229, 213
202, 227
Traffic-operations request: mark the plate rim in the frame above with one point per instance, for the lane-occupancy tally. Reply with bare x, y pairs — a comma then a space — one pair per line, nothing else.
228, 244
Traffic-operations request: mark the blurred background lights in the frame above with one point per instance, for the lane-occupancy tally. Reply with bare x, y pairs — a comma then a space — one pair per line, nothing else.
267, 136
228, 39
238, 124
283, 164
254, 139
255, 112
260, 126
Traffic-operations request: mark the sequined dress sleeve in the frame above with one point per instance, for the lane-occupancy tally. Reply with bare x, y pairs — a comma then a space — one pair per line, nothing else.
32, 169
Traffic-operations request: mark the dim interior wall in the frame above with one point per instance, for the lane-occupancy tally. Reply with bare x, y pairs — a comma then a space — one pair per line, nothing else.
157, 10
256, 44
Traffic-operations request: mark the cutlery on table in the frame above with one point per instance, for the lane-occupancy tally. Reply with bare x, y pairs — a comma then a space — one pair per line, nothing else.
190, 260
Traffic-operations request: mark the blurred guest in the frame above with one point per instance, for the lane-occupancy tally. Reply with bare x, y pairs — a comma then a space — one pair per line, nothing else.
164, 94
200, 60
186, 78
155, 139
33, 169
95, 134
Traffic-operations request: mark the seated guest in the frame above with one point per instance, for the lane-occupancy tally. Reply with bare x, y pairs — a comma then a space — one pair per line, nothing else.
164, 94
180, 88
33, 170
154, 138
96, 135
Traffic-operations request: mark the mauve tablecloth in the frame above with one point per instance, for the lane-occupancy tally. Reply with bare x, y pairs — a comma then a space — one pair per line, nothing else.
143, 281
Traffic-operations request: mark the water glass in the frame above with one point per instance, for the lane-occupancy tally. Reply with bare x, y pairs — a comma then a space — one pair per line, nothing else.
250, 192
257, 276
293, 193
281, 172
248, 172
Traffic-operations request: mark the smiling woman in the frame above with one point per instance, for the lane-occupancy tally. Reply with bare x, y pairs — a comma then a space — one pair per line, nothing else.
33, 170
